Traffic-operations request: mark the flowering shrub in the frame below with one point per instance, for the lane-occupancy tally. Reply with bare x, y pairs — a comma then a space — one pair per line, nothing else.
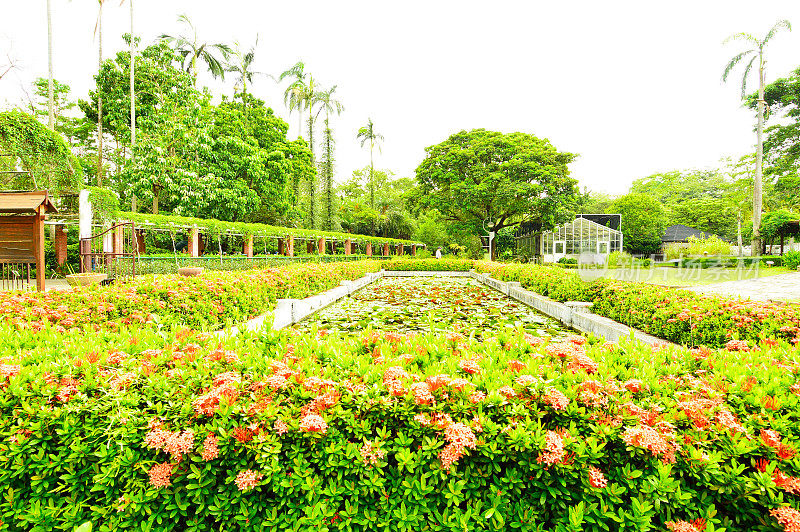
680, 316
209, 301
382, 431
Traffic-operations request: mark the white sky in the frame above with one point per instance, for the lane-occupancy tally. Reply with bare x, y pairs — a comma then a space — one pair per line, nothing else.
633, 87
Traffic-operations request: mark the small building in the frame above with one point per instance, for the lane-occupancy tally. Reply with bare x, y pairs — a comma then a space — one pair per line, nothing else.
22, 238
679, 234
589, 238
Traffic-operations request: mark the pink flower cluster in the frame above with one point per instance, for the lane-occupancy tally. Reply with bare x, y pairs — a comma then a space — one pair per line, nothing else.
459, 437
175, 443
313, 423
225, 386
160, 475
556, 399
553, 451
210, 450
248, 479
370, 453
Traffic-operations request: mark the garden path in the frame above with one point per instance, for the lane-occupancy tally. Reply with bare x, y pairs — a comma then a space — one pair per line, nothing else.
784, 287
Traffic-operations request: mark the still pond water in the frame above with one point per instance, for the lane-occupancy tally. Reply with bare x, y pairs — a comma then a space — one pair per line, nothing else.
427, 304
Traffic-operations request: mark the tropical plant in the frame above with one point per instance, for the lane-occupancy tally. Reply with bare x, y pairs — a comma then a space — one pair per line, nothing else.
643, 222
326, 163
61, 105
293, 95
755, 53
242, 65
311, 98
191, 50
99, 32
367, 134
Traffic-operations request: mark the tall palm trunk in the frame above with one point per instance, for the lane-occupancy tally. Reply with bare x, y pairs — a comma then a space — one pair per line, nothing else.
312, 182
327, 174
100, 99
133, 104
757, 194
372, 184
50, 104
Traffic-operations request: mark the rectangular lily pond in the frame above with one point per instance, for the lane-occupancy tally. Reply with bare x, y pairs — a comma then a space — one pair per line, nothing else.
432, 305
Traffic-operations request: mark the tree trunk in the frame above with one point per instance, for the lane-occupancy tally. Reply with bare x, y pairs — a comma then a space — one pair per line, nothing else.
133, 104
312, 184
739, 233
371, 185
759, 158
155, 199
50, 105
100, 99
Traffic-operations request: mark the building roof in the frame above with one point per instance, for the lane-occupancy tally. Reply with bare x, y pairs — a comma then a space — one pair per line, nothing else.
25, 202
681, 233
609, 220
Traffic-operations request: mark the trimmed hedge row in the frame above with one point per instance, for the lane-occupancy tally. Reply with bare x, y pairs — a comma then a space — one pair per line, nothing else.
442, 265
209, 301
141, 430
680, 316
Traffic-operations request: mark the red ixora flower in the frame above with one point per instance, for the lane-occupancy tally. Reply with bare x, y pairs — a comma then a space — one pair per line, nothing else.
788, 517
248, 479
596, 478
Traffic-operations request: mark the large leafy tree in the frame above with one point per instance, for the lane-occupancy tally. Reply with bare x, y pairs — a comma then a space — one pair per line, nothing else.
484, 177
782, 143
52, 96
643, 222
751, 55
391, 217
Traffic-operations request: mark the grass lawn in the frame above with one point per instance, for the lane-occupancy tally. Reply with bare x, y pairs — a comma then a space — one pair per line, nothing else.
683, 276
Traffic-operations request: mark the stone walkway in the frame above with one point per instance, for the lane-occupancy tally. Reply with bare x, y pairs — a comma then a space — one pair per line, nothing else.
784, 287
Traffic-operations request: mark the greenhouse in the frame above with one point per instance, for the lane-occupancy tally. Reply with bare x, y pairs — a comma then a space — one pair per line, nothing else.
583, 239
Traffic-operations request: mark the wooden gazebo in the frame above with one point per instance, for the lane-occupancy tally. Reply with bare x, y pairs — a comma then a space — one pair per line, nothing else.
22, 237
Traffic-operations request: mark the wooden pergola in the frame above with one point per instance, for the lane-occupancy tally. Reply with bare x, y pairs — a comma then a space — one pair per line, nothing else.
22, 235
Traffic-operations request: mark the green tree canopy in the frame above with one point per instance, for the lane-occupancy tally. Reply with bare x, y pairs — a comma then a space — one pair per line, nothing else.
41, 153
643, 222
479, 175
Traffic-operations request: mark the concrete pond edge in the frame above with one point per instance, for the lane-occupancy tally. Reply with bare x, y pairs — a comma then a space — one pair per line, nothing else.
574, 314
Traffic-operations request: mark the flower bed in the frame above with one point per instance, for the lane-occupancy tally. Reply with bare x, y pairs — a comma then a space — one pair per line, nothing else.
440, 265
679, 316
155, 431
209, 301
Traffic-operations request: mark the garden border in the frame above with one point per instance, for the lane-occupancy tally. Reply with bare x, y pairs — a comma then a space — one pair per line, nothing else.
574, 314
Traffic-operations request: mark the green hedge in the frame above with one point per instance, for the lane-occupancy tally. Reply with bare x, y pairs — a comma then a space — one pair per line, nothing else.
210, 301
166, 263
731, 262
459, 265
679, 316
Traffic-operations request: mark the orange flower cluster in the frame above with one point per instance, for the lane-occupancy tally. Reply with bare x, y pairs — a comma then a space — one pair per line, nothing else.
788, 517
556, 399
160, 475
596, 478
280, 427
553, 451
772, 438
648, 438
737, 345
469, 366
633, 385
175, 443
516, 365
459, 437
685, 526
248, 479
210, 450
313, 423
371, 454
422, 393
526, 380
225, 386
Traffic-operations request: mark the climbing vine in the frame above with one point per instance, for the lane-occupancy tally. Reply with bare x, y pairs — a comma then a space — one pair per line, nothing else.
41, 153
105, 203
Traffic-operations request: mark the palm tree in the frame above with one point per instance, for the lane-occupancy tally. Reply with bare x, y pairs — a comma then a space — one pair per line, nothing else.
292, 95
50, 106
191, 50
756, 52
133, 101
311, 98
329, 105
242, 65
367, 134
99, 32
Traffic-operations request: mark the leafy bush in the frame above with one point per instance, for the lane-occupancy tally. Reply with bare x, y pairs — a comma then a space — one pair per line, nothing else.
679, 316
568, 260
791, 259
459, 265
727, 262
711, 245
209, 301
618, 259
140, 430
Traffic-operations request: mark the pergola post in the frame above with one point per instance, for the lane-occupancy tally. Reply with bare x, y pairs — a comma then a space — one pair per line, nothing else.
321, 245
369, 249
38, 242
290, 246
281, 247
116, 240
347, 244
194, 242
399, 249
248, 246
140, 245
309, 247
60, 244
385, 249
414, 250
